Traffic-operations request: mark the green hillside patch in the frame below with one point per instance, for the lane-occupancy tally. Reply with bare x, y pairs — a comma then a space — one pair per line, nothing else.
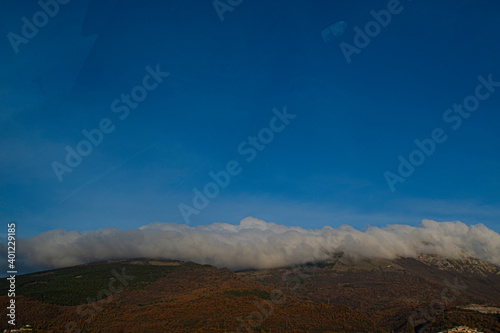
87, 283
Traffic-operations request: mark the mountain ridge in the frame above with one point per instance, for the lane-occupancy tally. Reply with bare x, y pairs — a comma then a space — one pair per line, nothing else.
339, 294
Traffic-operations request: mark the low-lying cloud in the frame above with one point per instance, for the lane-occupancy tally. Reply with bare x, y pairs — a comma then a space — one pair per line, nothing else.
258, 244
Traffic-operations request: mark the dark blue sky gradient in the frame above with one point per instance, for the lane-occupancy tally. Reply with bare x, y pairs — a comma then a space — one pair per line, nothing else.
325, 168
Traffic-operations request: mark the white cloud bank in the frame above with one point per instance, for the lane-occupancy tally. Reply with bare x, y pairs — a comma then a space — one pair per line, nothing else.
258, 244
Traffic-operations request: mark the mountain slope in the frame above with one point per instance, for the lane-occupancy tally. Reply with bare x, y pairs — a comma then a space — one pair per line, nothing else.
343, 295
395, 293
185, 297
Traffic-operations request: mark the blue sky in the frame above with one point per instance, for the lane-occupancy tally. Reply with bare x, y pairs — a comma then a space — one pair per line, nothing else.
327, 166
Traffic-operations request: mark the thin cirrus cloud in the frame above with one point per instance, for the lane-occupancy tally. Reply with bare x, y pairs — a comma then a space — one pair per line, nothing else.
257, 244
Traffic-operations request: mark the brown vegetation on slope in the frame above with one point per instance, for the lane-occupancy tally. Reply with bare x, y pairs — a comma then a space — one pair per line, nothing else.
204, 299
